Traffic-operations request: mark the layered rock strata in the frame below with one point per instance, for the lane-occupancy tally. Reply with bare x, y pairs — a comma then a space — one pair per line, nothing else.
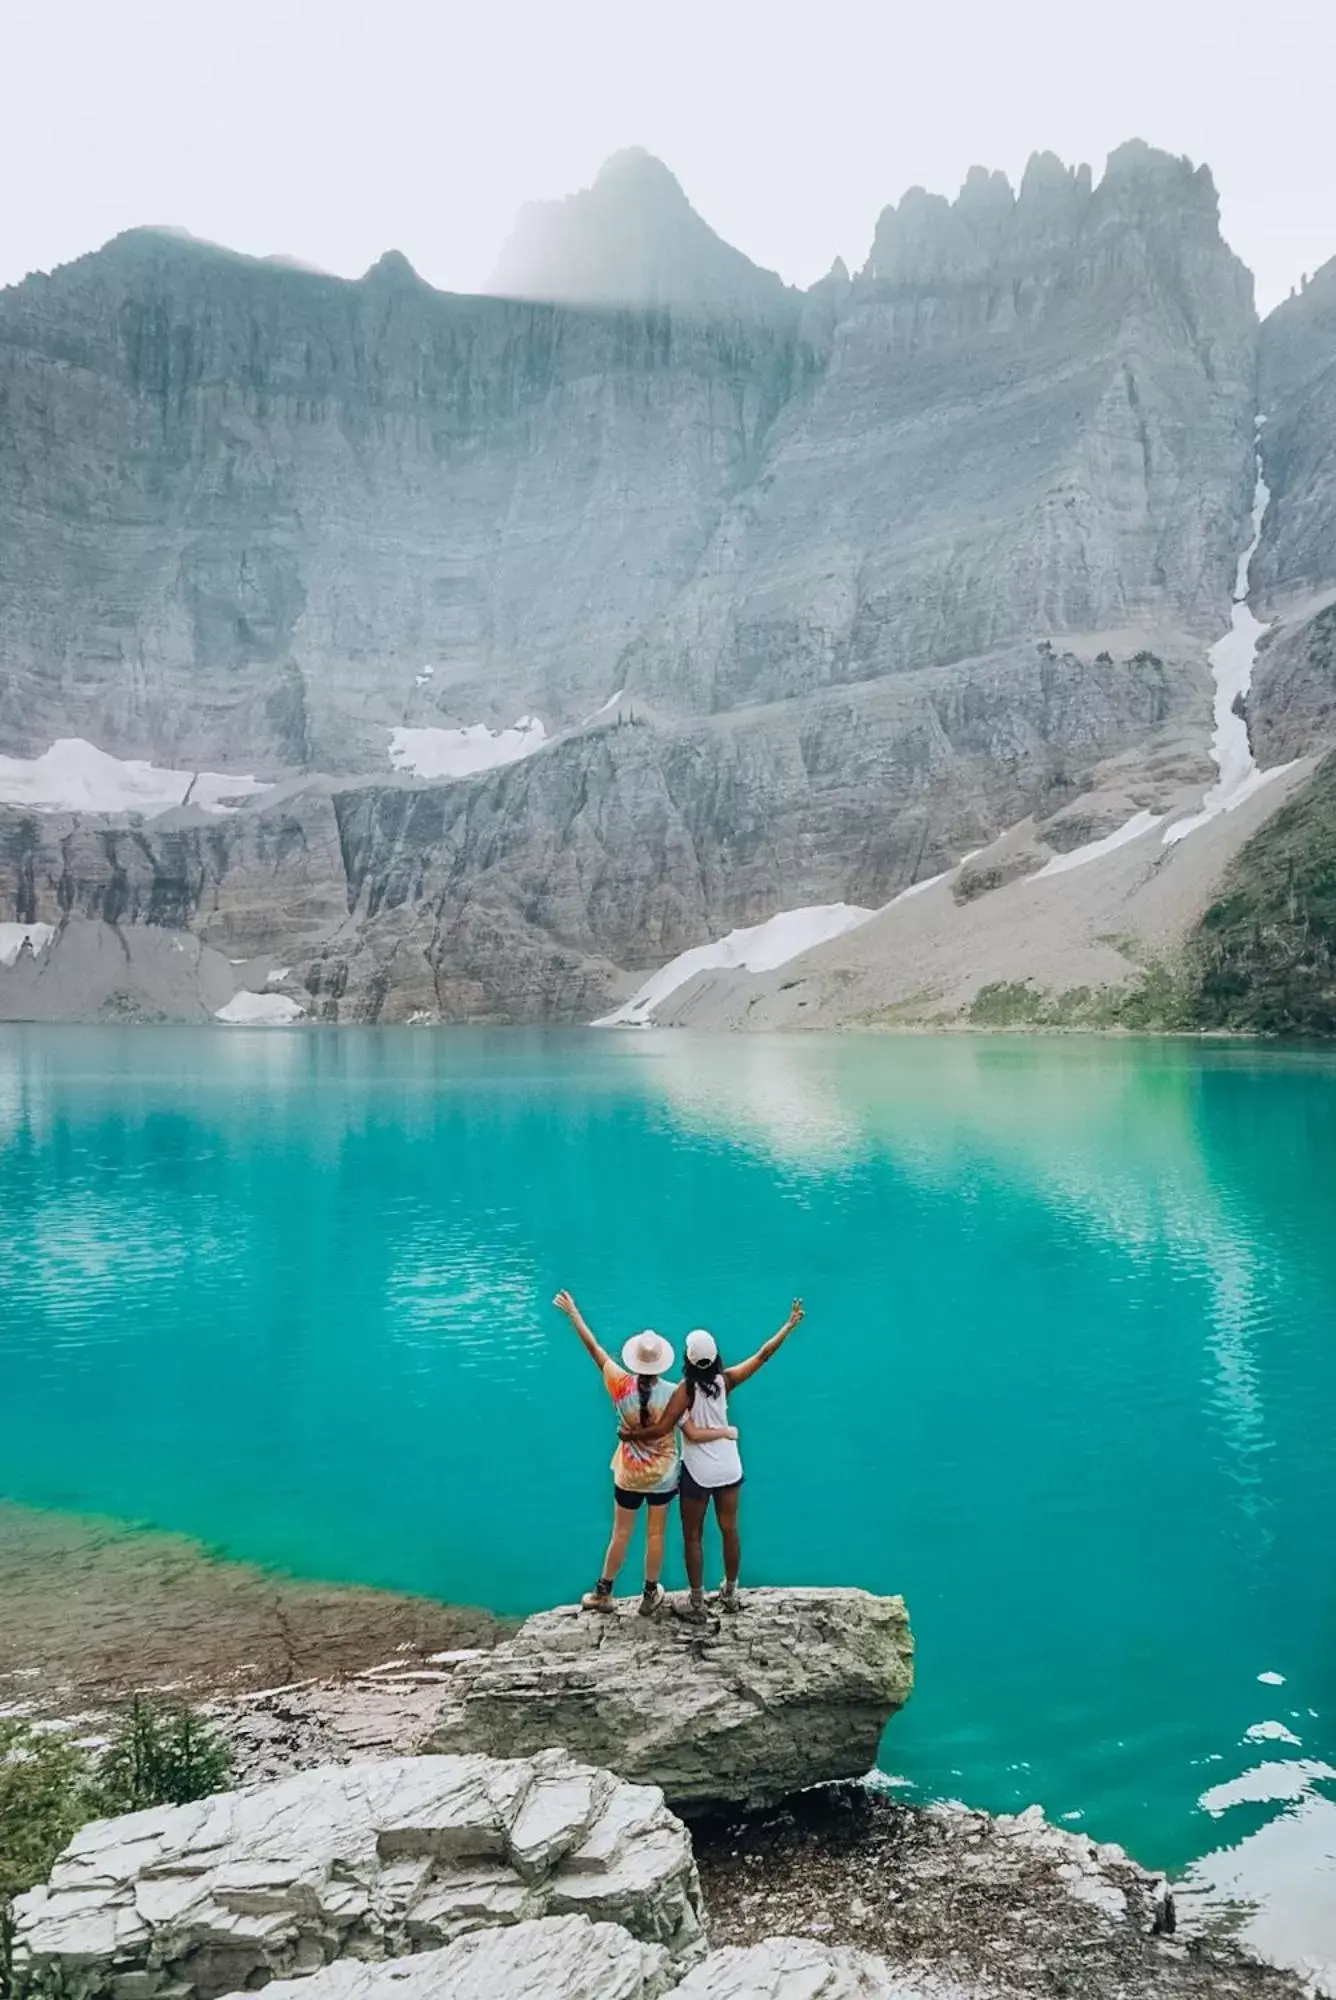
368, 1861
246, 508
521, 894
550, 1958
878, 573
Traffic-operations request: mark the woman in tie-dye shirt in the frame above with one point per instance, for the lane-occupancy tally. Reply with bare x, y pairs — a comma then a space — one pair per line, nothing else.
643, 1474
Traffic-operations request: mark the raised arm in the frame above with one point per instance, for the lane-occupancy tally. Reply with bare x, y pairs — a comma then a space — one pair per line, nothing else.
566, 1304
746, 1369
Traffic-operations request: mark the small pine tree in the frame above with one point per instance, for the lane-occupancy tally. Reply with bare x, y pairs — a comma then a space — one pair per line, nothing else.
161, 1757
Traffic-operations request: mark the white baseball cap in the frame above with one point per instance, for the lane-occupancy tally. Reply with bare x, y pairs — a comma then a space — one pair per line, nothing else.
647, 1353
702, 1346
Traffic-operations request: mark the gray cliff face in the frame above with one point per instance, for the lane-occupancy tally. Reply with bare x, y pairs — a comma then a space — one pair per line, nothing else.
1292, 709
878, 571
242, 507
1292, 706
1035, 418
632, 239
1298, 399
519, 894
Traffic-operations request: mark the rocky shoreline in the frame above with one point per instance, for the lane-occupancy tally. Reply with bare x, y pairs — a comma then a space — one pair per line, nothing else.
989, 1905
968, 1903
954, 1902
963, 1904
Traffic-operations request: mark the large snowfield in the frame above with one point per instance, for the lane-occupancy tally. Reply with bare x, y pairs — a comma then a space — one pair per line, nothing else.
75, 776
460, 753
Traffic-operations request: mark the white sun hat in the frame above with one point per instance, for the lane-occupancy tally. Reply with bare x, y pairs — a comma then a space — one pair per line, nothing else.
702, 1346
647, 1353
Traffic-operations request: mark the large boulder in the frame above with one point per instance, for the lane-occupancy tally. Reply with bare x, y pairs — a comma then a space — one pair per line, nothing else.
794, 1690
368, 1861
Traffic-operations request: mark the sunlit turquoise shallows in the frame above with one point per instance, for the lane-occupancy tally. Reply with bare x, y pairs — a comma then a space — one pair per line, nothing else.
1067, 1380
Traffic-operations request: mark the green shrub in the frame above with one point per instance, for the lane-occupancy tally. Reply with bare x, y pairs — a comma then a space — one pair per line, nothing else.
160, 1757
42, 1801
49, 1788
43, 1780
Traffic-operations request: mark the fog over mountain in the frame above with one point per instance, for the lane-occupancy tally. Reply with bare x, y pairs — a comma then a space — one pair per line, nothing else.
560, 630
631, 239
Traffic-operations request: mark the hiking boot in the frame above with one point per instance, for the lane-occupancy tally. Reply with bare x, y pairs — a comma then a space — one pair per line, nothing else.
692, 1611
652, 1600
598, 1599
728, 1599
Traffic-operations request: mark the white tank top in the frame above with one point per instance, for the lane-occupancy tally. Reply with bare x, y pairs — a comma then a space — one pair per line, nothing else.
720, 1463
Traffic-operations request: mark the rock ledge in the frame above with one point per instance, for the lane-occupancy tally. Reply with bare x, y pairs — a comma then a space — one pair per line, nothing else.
794, 1691
366, 1861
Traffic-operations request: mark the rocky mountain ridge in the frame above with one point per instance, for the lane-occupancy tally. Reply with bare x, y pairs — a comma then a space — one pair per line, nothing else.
808, 595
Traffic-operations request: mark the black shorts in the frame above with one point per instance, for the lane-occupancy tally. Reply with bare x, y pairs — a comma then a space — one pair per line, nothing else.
691, 1489
621, 1498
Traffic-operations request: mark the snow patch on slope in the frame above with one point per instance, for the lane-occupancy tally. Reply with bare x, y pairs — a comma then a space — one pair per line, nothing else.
259, 1010
1232, 659
13, 937
930, 881
754, 948
1131, 829
461, 753
75, 776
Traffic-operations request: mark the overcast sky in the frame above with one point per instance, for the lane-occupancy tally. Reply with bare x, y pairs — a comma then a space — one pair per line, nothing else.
334, 129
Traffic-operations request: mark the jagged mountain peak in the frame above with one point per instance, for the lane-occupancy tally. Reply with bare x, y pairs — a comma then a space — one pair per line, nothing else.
632, 238
1135, 159
926, 237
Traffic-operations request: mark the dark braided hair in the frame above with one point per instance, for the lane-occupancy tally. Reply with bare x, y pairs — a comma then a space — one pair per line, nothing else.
701, 1375
645, 1384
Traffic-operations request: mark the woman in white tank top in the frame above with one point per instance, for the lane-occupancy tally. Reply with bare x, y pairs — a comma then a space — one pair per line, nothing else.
711, 1461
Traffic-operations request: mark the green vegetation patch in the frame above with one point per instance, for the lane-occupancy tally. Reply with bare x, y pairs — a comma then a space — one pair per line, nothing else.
1161, 1002
1261, 962
50, 1787
1264, 957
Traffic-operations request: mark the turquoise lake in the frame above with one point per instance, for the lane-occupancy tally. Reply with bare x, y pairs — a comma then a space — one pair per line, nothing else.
1067, 1380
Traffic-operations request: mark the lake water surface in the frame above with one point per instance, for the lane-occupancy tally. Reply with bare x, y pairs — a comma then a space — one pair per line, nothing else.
1067, 1381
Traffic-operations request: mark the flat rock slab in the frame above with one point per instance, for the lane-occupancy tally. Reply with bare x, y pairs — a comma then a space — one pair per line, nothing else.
570, 1958
793, 1691
796, 1968
552, 1958
368, 1861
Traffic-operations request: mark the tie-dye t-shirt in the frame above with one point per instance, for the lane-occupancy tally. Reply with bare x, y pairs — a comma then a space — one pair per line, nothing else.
642, 1468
